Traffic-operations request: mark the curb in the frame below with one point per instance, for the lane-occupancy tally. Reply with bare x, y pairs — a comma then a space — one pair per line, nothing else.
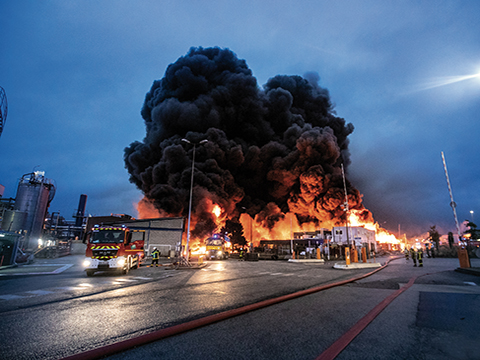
307, 261
357, 266
471, 271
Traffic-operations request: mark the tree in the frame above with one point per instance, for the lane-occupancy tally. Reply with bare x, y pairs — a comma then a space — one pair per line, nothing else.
434, 236
235, 230
473, 231
450, 239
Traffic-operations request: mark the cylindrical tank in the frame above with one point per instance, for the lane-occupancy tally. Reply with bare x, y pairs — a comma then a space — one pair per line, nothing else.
13, 220
34, 194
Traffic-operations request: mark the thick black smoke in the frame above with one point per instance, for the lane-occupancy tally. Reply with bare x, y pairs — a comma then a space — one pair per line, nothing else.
269, 151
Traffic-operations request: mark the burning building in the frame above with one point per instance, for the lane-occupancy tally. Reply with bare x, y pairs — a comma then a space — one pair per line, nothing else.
273, 157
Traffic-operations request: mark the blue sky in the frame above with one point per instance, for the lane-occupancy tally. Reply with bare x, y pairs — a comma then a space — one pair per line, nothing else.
76, 74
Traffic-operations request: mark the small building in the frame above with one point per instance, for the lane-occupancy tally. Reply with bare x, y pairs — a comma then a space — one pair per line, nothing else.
163, 233
357, 235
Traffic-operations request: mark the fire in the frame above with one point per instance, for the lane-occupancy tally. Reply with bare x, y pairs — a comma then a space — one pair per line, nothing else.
217, 210
283, 230
381, 235
198, 250
146, 209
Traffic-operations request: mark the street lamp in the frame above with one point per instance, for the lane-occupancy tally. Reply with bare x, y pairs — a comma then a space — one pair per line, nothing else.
346, 205
471, 212
191, 192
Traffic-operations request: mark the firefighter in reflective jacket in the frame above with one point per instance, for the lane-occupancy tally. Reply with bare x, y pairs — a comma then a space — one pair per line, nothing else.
155, 257
413, 254
420, 257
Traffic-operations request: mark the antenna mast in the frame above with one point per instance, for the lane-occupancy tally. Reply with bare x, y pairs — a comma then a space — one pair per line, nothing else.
452, 203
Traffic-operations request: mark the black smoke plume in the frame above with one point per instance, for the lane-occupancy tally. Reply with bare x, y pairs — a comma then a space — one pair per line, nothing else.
270, 150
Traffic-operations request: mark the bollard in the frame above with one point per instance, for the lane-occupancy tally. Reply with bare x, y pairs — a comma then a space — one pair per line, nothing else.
347, 255
364, 255
355, 255
463, 258
318, 254
293, 255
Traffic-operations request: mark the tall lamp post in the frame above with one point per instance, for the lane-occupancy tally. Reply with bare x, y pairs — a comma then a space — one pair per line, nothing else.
346, 205
191, 193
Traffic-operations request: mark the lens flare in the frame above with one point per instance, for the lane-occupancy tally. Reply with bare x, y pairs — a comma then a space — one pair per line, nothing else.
447, 80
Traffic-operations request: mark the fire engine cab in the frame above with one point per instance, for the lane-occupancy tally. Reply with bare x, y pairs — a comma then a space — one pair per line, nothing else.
114, 248
217, 247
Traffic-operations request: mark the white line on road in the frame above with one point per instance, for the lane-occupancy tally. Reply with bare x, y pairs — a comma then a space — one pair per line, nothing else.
11, 297
39, 292
127, 280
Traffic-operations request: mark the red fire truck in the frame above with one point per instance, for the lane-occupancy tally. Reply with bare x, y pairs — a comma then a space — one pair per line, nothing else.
114, 248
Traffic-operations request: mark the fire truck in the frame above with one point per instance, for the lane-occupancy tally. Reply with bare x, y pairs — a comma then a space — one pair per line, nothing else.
114, 248
217, 247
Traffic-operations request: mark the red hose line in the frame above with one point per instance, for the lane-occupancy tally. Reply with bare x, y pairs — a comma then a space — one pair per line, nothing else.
194, 324
338, 346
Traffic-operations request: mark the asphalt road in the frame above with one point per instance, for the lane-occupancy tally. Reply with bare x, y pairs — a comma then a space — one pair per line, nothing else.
63, 312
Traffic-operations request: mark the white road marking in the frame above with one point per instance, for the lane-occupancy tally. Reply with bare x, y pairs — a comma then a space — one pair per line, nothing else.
11, 297
39, 292
126, 280
469, 283
70, 288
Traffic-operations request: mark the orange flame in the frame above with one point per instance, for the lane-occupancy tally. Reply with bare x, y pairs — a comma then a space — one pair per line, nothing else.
217, 210
146, 209
381, 235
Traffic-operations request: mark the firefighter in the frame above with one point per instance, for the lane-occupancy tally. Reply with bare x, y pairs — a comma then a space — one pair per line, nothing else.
414, 256
155, 257
420, 257
240, 255
406, 252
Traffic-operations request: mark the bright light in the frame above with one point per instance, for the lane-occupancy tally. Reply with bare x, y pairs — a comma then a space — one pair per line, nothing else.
217, 210
86, 263
199, 251
447, 80
121, 261
40, 242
